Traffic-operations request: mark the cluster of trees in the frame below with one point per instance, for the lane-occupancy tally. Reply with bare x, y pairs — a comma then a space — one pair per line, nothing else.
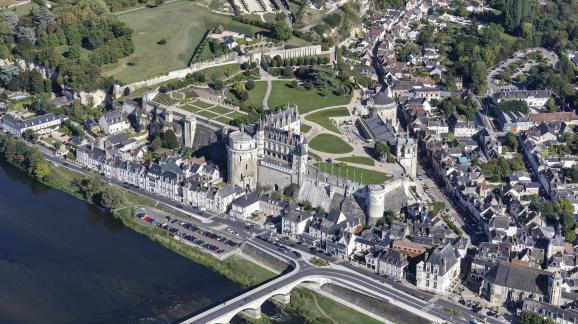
386, 4
559, 79
557, 213
527, 317
403, 51
81, 26
14, 79
517, 24
571, 173
100, 193
498, 170
299, 61
381, 150
116, 5
167, 139
511, 142
464, 107
76, 111
27, 159
241, 90
323, 78
388, 218
191, 78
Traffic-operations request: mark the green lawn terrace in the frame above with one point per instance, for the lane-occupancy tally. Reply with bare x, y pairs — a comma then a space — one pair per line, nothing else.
323, 118
283, 93
355, 174
182, 24
328, 143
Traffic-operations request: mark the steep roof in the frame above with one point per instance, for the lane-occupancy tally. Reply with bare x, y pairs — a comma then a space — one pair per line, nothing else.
522, 278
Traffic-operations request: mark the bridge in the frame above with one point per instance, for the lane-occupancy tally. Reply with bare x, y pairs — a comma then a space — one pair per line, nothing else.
280, 289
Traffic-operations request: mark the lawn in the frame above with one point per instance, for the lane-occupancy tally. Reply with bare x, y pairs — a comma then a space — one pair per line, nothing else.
220, 110
24, 9
316, 308
221, 72
202, 104
307, 100
235, 114
330, 144
255, 96
181, 23
305, 128
355, 174
358, 160
224, 120
208, 114
323, 118
190, 108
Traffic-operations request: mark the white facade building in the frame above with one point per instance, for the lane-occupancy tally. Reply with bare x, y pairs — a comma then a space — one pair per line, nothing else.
439, 270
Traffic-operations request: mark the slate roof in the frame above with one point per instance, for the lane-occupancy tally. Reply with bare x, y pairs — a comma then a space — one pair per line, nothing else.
517, 277
247, 200
444, 258
393, 257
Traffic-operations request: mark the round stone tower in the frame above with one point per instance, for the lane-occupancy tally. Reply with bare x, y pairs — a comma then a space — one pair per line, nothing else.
242, 160
375, 203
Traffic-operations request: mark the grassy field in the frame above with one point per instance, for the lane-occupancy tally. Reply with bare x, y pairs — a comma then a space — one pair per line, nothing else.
182, 23
221, 72
358, 160
323, 118
353, 173
330, 144
316, 308
305, 128
307, 100
21, 10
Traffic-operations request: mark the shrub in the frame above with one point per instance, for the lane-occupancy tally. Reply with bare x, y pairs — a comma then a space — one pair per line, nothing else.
162, 42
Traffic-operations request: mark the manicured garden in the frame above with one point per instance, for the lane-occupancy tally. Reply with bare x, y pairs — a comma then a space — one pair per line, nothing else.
305, 128
323, 118
182, 24
284, 93
328, 143
355, 174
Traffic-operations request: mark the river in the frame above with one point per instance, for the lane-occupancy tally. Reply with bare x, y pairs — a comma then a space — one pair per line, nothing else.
63, 261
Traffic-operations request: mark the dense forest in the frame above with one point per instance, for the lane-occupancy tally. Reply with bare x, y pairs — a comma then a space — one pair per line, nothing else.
73, 38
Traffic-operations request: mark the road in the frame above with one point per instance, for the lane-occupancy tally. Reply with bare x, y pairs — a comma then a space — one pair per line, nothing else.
373, 286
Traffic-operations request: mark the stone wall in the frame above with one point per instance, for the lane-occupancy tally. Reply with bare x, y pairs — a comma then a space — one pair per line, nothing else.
269, 177
264, 258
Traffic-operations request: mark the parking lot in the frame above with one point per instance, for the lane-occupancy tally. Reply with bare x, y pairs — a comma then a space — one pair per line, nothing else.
190, 231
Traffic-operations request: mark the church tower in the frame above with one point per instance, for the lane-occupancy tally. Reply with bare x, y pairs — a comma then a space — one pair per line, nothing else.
406, 153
